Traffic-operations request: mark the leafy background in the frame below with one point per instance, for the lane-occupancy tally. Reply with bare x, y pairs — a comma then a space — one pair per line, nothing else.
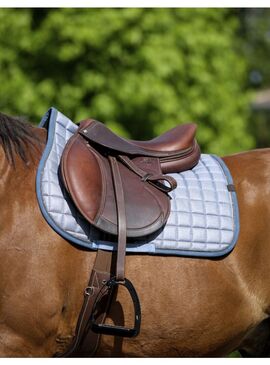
141, 71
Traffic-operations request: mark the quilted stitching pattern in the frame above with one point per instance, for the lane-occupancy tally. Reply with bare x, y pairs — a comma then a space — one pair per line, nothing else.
201, 219
201, 210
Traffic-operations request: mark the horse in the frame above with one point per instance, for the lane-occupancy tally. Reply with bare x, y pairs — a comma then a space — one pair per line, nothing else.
190, 307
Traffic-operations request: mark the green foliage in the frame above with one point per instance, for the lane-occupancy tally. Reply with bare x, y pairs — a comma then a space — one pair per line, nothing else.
255, 31
142, 71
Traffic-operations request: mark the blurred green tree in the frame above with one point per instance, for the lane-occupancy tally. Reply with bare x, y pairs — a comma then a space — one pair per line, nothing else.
141, 71
255, 32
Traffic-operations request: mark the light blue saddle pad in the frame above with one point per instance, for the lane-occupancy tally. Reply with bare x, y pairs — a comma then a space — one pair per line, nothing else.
204, 214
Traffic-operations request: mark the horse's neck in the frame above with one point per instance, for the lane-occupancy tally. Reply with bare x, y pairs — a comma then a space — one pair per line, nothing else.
41, 135
34, 151
18, 179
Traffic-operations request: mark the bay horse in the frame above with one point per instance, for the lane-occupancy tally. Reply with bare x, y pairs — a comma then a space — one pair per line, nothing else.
190, 307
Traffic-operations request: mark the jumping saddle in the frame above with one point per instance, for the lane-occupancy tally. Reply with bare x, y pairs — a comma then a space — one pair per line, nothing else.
120, 187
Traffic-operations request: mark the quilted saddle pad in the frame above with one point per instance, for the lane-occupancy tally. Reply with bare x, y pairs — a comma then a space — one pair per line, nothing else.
204, 218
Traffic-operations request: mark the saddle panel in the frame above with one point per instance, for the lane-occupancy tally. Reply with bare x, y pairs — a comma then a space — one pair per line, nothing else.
86, 174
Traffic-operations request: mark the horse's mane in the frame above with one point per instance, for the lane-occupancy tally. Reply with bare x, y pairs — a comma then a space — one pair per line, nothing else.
15, 136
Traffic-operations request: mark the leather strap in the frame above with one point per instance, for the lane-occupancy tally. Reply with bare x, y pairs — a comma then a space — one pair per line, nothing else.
121, 218
153, 179
85, 342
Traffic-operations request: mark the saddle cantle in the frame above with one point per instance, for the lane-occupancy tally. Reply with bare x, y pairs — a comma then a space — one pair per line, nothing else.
119, 186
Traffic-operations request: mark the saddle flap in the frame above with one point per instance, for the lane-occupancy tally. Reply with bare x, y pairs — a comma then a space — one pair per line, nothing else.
86, 174
82, 177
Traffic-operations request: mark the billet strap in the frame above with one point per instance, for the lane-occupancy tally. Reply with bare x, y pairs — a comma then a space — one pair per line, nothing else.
85, 342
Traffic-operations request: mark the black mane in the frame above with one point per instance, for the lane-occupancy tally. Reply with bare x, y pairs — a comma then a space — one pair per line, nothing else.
15, 136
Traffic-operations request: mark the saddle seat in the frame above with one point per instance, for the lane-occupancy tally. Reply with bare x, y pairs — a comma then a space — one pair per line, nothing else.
177, 149
176, 139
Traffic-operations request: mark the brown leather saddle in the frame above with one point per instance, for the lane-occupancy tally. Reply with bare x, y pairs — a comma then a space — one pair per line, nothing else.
120, 187
97, 164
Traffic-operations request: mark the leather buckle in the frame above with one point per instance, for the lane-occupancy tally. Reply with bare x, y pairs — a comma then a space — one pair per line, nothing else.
146, 177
